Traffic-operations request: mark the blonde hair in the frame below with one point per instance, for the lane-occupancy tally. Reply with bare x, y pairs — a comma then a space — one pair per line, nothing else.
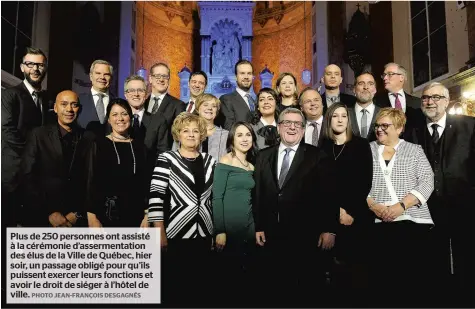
396, 115
184, 119
203, 98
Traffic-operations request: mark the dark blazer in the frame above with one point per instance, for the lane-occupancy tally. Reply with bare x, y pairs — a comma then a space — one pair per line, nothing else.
354, 123
47, 184
457, 167
154, 134
88, 118
19, 116
233, 109
346, 99
299, 206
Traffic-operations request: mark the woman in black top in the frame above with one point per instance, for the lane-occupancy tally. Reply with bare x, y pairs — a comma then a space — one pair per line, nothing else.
351, 159
118, 187
286, 89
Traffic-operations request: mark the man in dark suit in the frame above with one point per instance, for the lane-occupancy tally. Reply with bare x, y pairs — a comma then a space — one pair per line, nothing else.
449, 143
159, 100
363, 113
292, 218
24, 107
239, 104
54, 169
311, 105
94, 102
197, 84
151, 129
332, 79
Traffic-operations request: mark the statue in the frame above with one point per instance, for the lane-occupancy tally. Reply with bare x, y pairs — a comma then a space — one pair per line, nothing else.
226, 49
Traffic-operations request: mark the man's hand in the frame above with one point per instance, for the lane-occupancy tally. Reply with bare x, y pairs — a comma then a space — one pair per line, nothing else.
56, 219
71, 217
326, 241
260, 238
346, 219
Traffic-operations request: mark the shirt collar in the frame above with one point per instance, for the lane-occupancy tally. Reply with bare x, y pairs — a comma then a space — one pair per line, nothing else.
95, 92
332, 96
241, 92
266, 124
29, 87
319, 121
160, 96
370, 108
140, 113
282, 147
442, 122
401, 93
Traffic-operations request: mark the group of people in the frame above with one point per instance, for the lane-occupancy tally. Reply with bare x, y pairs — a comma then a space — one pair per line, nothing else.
292, 198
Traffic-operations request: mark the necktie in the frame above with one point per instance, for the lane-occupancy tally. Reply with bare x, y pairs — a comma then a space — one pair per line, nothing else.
250, 101
435, 133
364, 123
314, 124
155, 105
332, 100
100, 108
36, 98
397, 103
190, 107
285, 167
136, 124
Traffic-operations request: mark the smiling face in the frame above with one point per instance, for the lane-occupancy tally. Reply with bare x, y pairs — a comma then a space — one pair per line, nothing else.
339, 121
387, 133
312, 106
135, 94
66, 107
287, 87
119, 120
190, 136
244, 76
208, 110
100, 77
266, 104
242, 139
434, 110
197, 85
159, 79
291, 129
37, 72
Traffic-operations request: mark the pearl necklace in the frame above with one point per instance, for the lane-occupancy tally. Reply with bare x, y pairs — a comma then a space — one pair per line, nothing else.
117, 153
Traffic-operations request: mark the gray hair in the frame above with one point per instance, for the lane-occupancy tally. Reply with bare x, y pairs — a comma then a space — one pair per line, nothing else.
445, 91
292, 110
134, 77
400, 68
99, 61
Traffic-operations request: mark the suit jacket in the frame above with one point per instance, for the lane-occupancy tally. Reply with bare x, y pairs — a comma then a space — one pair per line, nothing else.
354, 123
346, 99
88, 118
154, 134
48, 185
299, 206
20, 115
233, 109
458, 164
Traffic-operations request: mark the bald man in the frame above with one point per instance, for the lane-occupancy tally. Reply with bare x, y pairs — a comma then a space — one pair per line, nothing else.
54, 169
332, 79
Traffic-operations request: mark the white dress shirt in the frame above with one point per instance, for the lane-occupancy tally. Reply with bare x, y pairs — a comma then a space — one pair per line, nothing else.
442, 123
266, 124
309, 130
31, 90
95, 97
280, 158
402, 99
370, 113
243, 94
152, 101
140, 113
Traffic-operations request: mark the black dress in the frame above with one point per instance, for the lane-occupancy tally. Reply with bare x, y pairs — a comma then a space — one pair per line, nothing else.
119, 191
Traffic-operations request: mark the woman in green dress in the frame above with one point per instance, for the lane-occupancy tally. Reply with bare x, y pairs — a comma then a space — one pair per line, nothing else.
232, 212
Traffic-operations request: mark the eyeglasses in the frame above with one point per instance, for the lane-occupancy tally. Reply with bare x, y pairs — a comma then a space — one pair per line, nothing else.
31, 65
383, 126
160, 76
139, 91
435, 98
288, 123
389, 74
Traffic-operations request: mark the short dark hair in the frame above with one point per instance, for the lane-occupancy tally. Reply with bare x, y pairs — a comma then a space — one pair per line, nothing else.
252, 153
35, 51
302, 93
242, 61
199, 73
256, 117
363, 73
158, 64
122, 103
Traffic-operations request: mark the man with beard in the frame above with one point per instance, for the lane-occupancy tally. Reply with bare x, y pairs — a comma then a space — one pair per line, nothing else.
363, 113
94, 102
197, 84
54, 169
24, 107
449, 143
311, 105
239, 104
332, 80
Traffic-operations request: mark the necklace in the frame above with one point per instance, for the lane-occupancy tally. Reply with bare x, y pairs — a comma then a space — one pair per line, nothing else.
187, 159
120, 138
336, 157
117, 153
241, 161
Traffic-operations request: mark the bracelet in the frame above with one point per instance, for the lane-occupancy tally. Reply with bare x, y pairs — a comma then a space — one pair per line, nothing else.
403, 205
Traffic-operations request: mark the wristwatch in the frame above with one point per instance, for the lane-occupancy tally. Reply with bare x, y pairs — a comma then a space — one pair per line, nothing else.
403, 205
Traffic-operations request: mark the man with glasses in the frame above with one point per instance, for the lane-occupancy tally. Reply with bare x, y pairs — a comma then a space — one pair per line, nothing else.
159, 99
197, 84
151, 129
24, 107
363, 113
293, 220
449, 143
94, 102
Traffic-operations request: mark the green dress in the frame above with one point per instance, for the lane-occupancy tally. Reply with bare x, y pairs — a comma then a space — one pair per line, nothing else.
232, 209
